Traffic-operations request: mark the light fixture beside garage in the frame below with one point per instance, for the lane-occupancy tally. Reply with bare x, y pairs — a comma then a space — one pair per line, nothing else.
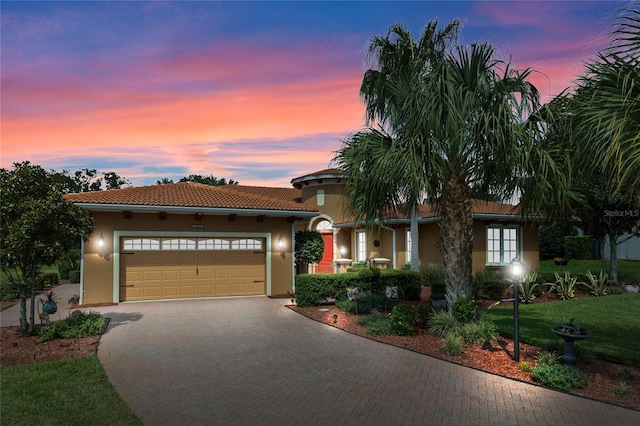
280, 242
101, 241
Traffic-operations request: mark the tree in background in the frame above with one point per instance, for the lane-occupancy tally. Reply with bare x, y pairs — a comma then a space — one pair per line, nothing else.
597, 124
37, 228
88, 180
206, 180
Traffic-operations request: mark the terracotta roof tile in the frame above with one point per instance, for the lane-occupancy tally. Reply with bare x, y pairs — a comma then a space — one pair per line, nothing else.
190, 194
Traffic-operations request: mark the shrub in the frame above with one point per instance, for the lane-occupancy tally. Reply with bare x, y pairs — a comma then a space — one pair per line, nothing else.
564, 285
624, 374
70, 262
526, 367
558, 376
578, 247
480, 333
452, 345
464, 310
315, 289
403, 320
77, 325
547, 358
528, 288
309, 247
432, 274
443, 323
74, 276
424, 311
621, 389
489, 284
597, 286
377, 325
49, 279
366, 302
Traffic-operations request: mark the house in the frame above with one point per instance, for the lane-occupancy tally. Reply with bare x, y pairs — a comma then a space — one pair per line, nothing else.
189, 240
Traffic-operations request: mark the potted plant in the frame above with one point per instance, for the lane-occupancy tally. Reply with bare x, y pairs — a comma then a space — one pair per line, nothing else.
49, 305
571, 333
438, 294
561, 261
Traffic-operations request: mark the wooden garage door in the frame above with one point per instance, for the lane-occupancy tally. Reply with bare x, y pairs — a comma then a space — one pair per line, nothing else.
184, 268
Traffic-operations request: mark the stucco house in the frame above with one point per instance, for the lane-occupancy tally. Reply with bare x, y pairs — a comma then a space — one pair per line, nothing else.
189, 240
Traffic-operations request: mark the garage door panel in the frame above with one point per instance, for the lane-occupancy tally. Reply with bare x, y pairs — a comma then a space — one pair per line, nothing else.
191, 273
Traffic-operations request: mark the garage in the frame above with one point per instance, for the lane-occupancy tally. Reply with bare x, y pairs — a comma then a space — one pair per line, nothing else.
175, 268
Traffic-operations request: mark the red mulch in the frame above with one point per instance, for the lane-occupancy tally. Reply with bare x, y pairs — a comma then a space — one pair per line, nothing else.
603, 375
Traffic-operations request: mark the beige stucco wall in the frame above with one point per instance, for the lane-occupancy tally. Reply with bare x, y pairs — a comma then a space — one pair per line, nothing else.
98, 268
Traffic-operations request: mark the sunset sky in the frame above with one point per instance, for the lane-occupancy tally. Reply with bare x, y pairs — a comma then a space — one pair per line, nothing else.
258, 92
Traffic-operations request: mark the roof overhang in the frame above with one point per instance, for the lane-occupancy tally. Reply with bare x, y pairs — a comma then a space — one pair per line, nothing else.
191, 210
435, 219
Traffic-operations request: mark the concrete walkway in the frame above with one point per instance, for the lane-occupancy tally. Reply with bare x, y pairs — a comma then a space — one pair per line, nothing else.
250, 361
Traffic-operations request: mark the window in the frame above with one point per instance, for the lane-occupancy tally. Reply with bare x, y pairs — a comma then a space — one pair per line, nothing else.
213, 244
178, 244
141, 244
408, 260
502, 245
361, 246
320, 197
246, 244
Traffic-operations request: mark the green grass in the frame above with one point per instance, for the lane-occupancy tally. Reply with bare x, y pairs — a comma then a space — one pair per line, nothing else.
69, 392
613, 323
628, 270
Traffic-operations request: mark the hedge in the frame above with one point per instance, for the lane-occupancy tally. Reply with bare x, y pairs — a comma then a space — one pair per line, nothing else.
578, 247
315, 289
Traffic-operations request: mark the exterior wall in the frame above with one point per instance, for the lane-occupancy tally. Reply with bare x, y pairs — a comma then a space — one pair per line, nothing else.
428, 253
333, 198
100, 264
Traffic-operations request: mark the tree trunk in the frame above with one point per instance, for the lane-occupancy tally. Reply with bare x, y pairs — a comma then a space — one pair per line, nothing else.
32, 319
24, 325
602, 256
456, 243
613, 246
415, 263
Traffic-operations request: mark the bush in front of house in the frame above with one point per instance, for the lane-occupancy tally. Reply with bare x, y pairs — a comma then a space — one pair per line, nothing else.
316, 289
489, 284
48, 280
578, 247
403, 320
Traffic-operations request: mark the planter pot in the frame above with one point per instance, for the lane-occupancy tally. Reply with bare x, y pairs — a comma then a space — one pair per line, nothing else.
439, 304
562, 263
49, 307
569, 356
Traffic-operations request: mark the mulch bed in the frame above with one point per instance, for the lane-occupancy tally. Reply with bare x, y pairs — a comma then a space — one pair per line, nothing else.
498, 359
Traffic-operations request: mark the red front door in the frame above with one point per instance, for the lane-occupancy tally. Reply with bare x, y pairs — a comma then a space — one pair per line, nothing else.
325, 266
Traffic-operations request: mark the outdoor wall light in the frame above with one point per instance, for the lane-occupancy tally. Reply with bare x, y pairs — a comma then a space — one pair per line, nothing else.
516, 270
343, 250
101, 240
335, 318
280, 242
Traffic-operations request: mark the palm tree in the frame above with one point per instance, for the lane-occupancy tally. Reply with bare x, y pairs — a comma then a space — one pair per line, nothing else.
377, 183
457, 119
606, 104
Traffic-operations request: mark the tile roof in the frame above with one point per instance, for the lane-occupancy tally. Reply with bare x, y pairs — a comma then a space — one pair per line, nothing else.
326, 173
190, 194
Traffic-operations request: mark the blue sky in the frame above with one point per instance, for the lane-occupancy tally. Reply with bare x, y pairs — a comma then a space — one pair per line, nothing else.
258, 92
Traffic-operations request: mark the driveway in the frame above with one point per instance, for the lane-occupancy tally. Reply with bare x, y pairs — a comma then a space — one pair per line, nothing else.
253, 361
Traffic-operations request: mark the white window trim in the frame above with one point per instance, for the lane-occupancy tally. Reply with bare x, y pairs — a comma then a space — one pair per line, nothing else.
361, 246
503, 261
407, 241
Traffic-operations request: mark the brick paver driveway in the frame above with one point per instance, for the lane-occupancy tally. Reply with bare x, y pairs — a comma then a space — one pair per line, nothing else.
252, 361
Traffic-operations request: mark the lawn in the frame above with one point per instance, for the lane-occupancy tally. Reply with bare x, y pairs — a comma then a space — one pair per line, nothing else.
613, 323
69, 392
628, 270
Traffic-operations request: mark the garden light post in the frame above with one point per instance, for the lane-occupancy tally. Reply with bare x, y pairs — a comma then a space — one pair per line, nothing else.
516, 270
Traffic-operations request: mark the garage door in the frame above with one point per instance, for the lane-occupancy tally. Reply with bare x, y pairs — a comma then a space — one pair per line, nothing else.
174, 268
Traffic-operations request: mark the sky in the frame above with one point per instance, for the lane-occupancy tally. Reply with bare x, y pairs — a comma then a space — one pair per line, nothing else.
260, 92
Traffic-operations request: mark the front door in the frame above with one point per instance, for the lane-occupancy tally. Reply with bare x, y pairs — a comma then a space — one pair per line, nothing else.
325, 266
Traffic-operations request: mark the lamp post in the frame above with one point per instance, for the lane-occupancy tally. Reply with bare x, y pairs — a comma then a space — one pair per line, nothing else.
516, 270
